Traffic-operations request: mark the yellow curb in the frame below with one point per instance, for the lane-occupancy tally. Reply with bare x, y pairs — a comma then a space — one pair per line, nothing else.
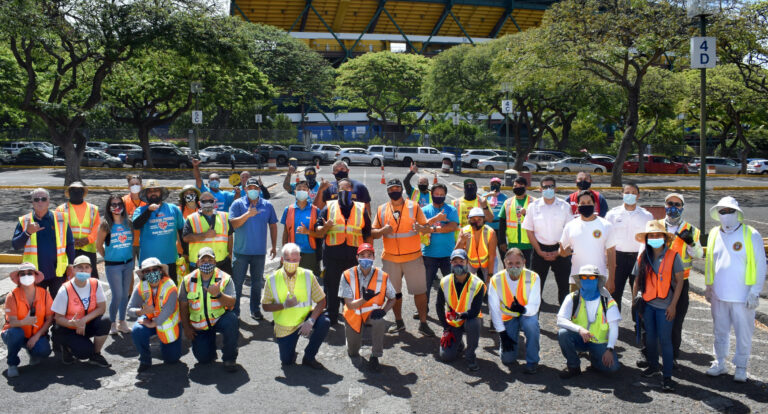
8, 258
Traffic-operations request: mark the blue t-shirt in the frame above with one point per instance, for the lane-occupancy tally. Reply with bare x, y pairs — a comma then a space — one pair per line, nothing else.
495, 204
251, 237
301, 217
441, 244
120, 246
224, 199
312, 191
158, 236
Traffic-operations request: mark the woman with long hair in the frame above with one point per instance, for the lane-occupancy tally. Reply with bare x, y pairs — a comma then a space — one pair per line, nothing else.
114, 242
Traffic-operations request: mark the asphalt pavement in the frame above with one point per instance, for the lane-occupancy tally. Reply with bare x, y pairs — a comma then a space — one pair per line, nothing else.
412, 378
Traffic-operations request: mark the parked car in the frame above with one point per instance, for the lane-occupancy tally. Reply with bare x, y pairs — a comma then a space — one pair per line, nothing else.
164, 156
36, 156
422, 155
97, 145
722, 165
386, 151
759, 166
186, 150
471, 157
329, 150
575, 164
685, 159
654, 164
241, 157
556, 153
45, 146
210, 154
278, 152
302, 154
94, 158
15, 147
5, 157
604, 160
542, 159
360, 156
117, 149
499, 163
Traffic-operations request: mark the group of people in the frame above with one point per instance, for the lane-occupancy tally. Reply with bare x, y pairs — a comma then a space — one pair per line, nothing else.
494, 253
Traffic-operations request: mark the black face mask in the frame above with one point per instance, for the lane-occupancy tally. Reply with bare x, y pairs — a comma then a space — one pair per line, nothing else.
345, 198
519, 190
470, 193
587, 211
423, 187
438, 200
583, 185
76, 195
477, 226
395, 195
495, 187
154, 200
310, 180
341, 175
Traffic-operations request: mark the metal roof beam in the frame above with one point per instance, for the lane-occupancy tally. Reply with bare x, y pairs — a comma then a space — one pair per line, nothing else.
327, 27
233, 6
438, 25
503, 19
301, 17
461, 27
306, 16
372, 24
341, 12
529, 5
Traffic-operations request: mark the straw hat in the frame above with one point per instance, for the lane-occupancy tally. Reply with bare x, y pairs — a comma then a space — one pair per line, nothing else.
76, 184
151, 184
149, 263
654, 226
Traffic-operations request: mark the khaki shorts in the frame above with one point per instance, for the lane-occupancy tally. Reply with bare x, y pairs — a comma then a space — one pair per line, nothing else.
414, 272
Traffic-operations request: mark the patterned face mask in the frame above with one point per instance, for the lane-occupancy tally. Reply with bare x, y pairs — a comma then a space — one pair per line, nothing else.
153, 276
207, 267
290, 267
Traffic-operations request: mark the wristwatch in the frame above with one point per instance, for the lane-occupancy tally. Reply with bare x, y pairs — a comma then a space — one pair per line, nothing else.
311, 320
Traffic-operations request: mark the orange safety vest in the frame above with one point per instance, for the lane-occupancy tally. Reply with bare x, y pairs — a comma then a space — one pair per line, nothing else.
41, 303
502, 286
75, 306
290, 218
378, 284
657, 285
169, 331
60, 223
478, 249
461, 304
405, 240
219, 242
130, 207
83, 228
679, 246
573, 200
345, 230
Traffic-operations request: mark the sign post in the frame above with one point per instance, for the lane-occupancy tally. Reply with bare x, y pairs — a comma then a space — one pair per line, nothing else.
506, 109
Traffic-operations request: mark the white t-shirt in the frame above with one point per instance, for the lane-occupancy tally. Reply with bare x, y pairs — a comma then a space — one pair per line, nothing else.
60, 302
589, 241
547, 220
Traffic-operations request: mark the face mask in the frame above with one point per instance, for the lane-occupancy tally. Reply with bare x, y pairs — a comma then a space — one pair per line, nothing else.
423, 187
116, 210
82, 276
470, 193
341, 175
729, 221
586, 211
674, 212
154, 276
290, 267
28, 280
395, 195
207, 267
655, 243
519, 191
365, 264
135, 189
301, 195
207, 205
496, 187
76, 196
253, 194
458, 269
630, 199
476, 225
213, 184
583, 185
589, 289
438, 201
515, 271
345, 198
154, 200
549, 193
310, 180
190, 198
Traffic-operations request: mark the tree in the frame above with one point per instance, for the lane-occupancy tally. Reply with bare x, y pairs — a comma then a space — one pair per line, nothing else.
387, 85
743, 41
11, 79
617, 41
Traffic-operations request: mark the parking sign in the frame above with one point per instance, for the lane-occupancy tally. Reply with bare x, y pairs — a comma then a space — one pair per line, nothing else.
506, 106
197, 117
703, 52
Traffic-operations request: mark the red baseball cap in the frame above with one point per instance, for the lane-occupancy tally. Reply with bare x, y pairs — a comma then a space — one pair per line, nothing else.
365, 246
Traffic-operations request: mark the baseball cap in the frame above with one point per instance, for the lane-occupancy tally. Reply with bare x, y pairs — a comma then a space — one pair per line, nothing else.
365, 246
206, 251
394, 182
476, 212
678, 195
82, 259
461, 253
252, 181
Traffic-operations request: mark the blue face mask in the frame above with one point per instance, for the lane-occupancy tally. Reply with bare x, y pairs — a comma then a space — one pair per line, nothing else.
458, 269
213, 184
674, 212
82, 276
253, 194
365, 264
630, 199
655, 243
589, 289
549, 193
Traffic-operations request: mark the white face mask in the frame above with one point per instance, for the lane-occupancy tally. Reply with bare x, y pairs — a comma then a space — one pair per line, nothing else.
729, 221
135, 189
27, 280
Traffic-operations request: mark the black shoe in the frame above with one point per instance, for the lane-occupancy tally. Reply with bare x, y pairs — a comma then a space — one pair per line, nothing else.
416, 316
373, 364
675, 364
530, 369
144, 368
425, 330
650, 372
98, 359
312, 364
230, 366
397, 327
473, 366
292, 362
570, 372
667, 385
66, 356
641, 363
257, 316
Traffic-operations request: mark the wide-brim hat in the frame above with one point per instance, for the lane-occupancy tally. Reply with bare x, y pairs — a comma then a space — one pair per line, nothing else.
476, 212
187, 188
152, 184
592, 270
26, 266
654, 226
148, 263
726, 202
76, 184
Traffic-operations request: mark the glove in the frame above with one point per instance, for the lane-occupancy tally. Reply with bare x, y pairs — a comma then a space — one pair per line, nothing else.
451, 315
752, 301
507, 343
447, 339
708, 294
369, 294
516, 307
687, 237
377, 314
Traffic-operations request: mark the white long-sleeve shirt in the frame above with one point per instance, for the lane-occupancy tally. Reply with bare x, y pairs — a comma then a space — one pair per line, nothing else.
531, 307
730, 260
613, 315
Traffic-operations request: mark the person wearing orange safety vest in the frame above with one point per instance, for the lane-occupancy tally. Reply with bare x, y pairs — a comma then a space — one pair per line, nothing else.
79, 314
479, 240
514, 296
84, 221
47, 241
658, 275
28, 316
734, 276
155, 300
300, 221
368, 295
458, 308
209, 228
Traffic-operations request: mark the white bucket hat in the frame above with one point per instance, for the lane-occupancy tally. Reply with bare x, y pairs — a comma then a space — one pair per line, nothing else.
726, 202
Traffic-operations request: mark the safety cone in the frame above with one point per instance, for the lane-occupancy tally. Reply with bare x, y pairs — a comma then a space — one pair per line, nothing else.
297, 178
434, 181
317, 166
383, 181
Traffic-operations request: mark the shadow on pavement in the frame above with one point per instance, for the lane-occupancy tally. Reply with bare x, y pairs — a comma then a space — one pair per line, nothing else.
164, 380
51, 371
314, 381
214, 374
390, 380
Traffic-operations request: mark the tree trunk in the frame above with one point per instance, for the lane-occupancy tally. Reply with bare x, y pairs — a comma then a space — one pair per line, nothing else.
144, 141
73, 158
565, 135
747, 147
641, 157
633, 99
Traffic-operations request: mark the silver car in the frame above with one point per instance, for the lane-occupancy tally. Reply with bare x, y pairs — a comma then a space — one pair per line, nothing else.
499, 163
360, 156
574, 164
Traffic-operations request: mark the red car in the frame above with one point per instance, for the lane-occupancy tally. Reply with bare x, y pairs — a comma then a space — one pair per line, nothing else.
655, 164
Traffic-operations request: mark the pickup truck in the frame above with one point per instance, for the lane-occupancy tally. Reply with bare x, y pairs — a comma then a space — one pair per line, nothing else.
655, 164
422, 155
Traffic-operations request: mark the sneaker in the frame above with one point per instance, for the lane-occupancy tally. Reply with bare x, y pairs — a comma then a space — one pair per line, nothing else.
650, 372
530, 369
312, 364
122, 326
425, 330
98, 359
34, 360
257, 316
416, 316
113, 328
292, 362
740, 375
642, 363
716, 369
373, 364
230, 366
144, 368
66, 356
473, 366
667, 385
397, 327
13, 371
570, 372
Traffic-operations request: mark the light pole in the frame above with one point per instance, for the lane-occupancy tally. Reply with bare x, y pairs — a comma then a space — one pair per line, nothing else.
506, 108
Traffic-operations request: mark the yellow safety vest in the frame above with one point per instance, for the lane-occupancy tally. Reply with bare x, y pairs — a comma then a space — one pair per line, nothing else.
219, 242
84, 228
169, 331
416, 196
514, 227
679, 246
599, 328
460, 304
462, 208
203, 314
302, 289
478, 250
750, 274
60, 223
506, 297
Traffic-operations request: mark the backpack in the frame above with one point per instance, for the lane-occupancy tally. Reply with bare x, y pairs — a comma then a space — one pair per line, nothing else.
577, 299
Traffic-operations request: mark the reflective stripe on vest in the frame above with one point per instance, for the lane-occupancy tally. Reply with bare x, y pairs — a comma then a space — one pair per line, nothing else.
60, 230
378, 283
197, 309
302, 290
83, 228
75, 306
679, 246
504, 291
349, 231
219, 242
462, 208
657, 285
22, 309
513, 226
416, 196
404, 239
599, 328
461, 304
750, 273
169, 331
478, 252
290, 219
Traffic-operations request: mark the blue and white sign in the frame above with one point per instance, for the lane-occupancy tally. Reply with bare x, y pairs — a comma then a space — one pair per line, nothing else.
703, 52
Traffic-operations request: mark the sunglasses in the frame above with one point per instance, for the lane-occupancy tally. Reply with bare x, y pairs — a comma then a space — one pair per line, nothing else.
115, 205
672, 204
588, 277
547, 187
26, 273
727, 211
40, 199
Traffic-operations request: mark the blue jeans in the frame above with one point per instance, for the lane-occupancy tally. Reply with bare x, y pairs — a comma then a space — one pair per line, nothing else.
658, 328
15, 340
204, 344
431, 266
471, 329
240, 264
119, 278
571, 344
287, 344
141, 335
530, 327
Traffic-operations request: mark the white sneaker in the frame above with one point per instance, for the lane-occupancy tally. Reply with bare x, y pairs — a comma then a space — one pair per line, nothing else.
113, 329
740, 375
13, 371
716, 369
122, 326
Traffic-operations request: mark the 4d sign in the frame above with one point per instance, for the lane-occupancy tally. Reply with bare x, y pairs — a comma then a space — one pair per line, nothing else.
703, 52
